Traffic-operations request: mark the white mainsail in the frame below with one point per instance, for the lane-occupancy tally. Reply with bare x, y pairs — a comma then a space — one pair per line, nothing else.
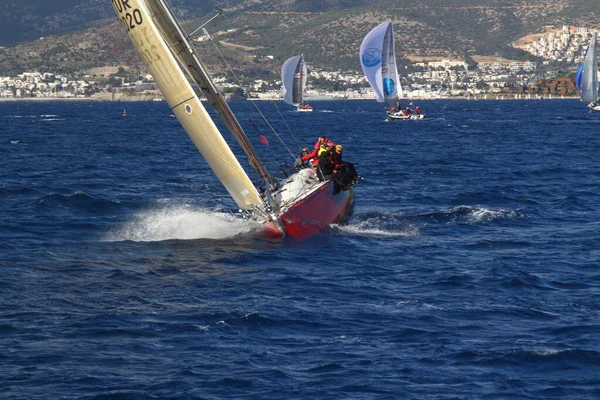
587, 73
378, 62
293, 78
138, 18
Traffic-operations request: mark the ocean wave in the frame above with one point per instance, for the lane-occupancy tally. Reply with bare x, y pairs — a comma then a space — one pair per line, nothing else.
568, 357
574, 118
78, 201
395, 224
574, 202
358, 230
379, 224
256, 320
490, 245
8, 192
469, 215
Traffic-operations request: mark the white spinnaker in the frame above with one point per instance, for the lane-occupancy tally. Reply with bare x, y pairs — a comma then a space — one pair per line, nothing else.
185, 104
293, 78
589, 73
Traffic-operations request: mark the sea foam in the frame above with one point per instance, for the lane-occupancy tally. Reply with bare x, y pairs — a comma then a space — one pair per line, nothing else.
180, 222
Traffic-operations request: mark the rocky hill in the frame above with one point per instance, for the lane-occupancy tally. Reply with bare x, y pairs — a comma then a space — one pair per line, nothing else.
82, 34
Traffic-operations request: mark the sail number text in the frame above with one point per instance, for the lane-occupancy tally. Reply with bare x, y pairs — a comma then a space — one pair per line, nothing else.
130, 16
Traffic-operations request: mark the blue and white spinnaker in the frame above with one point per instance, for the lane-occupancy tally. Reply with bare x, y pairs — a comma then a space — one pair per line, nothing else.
378, 61
586, 77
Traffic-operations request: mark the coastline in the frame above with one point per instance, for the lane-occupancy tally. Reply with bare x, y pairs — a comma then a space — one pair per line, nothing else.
146, 99
72, 99
43, 99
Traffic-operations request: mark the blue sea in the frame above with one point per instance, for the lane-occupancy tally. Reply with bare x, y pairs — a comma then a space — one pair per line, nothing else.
470, 268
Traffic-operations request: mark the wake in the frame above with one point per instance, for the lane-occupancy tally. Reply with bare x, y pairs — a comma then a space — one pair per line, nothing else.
400, 224
379, 224
361, 229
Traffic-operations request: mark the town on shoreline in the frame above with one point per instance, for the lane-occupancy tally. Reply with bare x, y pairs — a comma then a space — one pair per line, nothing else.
136, 99
479, 79
34, 86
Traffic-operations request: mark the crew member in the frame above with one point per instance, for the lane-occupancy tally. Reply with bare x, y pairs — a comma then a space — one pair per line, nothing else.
305, 157
322, 139
337, 156
329, 161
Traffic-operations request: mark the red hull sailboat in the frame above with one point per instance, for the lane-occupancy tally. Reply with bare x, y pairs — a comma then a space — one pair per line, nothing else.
313, 213
298, 206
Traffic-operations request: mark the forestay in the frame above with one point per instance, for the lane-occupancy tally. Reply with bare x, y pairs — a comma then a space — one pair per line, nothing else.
185, 104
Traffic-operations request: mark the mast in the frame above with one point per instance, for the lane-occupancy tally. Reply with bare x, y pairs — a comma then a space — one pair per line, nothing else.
389, 71
184, 51
299, 81
184, 102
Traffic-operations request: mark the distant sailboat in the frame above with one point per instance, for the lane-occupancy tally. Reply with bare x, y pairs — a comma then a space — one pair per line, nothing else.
293, 78
586, 77
298, 205
378, 62
124, 113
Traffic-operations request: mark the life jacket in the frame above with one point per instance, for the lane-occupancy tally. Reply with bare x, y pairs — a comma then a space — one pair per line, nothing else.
321, 151
327, 162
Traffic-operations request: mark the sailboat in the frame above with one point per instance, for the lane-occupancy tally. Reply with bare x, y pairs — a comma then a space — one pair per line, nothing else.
293, 78
378, 62
299, 205
586, 77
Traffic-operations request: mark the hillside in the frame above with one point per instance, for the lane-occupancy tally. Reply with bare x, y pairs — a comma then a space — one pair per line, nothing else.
82, 34
26, 20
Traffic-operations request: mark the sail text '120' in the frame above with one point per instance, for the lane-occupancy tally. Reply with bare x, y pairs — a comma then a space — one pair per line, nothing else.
130, 19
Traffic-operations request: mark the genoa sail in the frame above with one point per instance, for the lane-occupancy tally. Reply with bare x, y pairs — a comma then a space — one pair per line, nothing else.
378, 62
182, 50
587, 74
293, 78
138, 18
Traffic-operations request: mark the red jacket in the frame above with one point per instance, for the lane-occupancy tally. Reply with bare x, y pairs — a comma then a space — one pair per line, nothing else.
309, 155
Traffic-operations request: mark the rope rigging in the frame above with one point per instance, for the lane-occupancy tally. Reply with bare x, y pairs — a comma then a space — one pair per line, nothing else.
306, 183
264, 119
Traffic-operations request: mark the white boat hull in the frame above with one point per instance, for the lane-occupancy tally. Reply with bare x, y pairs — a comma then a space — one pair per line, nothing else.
594, 108
400, 116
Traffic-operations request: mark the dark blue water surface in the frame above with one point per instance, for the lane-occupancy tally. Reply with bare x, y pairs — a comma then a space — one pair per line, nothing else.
469, 270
